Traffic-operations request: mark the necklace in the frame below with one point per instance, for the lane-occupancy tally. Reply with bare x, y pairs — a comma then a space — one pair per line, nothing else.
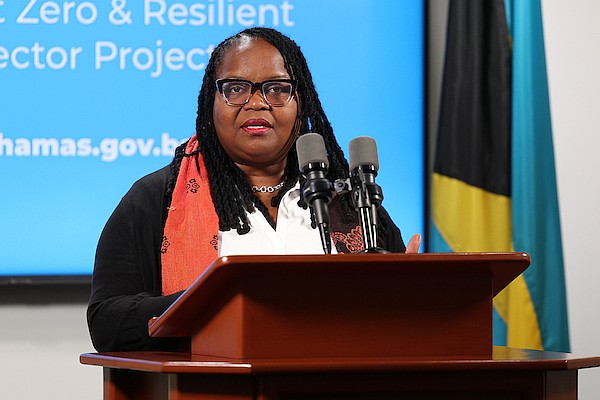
268, 189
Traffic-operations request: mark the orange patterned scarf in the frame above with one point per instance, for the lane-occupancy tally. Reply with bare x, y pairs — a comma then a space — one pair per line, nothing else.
190, 239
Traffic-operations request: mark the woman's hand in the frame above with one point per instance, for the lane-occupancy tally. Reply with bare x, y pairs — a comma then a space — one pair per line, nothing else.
414, 243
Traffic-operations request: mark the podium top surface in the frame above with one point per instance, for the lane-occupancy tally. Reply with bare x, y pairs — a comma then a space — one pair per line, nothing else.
227, 274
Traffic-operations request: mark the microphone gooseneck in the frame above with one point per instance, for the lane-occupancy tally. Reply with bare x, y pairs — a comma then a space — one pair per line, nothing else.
317, 190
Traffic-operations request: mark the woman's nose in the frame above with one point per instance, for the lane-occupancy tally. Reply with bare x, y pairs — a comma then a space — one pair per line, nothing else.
257, 101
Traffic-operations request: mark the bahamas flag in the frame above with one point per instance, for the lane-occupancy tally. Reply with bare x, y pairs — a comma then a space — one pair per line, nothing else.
494, 184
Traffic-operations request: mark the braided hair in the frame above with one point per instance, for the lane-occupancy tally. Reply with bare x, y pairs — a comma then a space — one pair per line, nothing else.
230, 191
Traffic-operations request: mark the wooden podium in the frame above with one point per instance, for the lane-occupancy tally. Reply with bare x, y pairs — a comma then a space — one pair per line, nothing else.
367, 326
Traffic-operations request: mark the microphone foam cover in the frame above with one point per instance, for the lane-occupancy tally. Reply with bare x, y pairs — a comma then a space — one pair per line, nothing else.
311, 149
363, 151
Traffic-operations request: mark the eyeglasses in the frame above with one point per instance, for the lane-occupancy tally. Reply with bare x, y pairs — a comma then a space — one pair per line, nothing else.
276, 92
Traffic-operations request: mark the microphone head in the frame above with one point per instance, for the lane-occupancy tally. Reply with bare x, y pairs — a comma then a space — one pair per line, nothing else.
363, 151
311, 149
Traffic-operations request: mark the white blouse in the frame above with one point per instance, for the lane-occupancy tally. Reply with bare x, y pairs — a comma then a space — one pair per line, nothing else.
293, 234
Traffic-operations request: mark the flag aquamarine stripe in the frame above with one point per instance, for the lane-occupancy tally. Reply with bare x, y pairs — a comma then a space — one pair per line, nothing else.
500, 329
436, 241
535, 212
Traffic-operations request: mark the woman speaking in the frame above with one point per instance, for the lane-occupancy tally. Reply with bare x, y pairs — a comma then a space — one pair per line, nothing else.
232, 188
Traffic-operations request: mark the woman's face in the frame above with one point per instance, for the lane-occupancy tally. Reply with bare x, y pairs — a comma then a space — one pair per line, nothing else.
255, 134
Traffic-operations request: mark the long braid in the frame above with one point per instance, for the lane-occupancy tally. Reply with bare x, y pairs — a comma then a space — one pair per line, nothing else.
231, 193
174, 169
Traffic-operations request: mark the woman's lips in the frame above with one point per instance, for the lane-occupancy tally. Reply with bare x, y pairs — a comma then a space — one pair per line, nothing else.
256, 126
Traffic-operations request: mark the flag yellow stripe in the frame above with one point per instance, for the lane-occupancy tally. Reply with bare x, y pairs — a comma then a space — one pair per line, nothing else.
471, 219
515, 306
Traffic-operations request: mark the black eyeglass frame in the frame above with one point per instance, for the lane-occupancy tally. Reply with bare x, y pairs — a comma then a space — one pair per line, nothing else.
256, 86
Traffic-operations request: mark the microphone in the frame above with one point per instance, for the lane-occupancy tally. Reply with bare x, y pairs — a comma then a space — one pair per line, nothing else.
317, 190
366, 194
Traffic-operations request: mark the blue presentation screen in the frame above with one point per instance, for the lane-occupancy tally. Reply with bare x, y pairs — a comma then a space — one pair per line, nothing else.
96, 94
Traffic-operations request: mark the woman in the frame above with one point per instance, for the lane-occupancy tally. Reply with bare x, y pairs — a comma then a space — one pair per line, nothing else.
231, 189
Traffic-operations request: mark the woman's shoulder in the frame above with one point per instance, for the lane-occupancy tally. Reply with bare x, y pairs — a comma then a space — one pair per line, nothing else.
150, 188
155, 178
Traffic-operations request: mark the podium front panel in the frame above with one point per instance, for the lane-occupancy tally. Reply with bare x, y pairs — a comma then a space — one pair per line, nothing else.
407, 305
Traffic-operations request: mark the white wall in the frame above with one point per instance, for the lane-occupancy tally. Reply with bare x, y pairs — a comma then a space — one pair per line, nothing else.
42, 332
572, 37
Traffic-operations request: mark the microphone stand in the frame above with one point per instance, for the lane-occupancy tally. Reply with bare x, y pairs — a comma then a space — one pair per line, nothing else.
367, 197
317, 192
